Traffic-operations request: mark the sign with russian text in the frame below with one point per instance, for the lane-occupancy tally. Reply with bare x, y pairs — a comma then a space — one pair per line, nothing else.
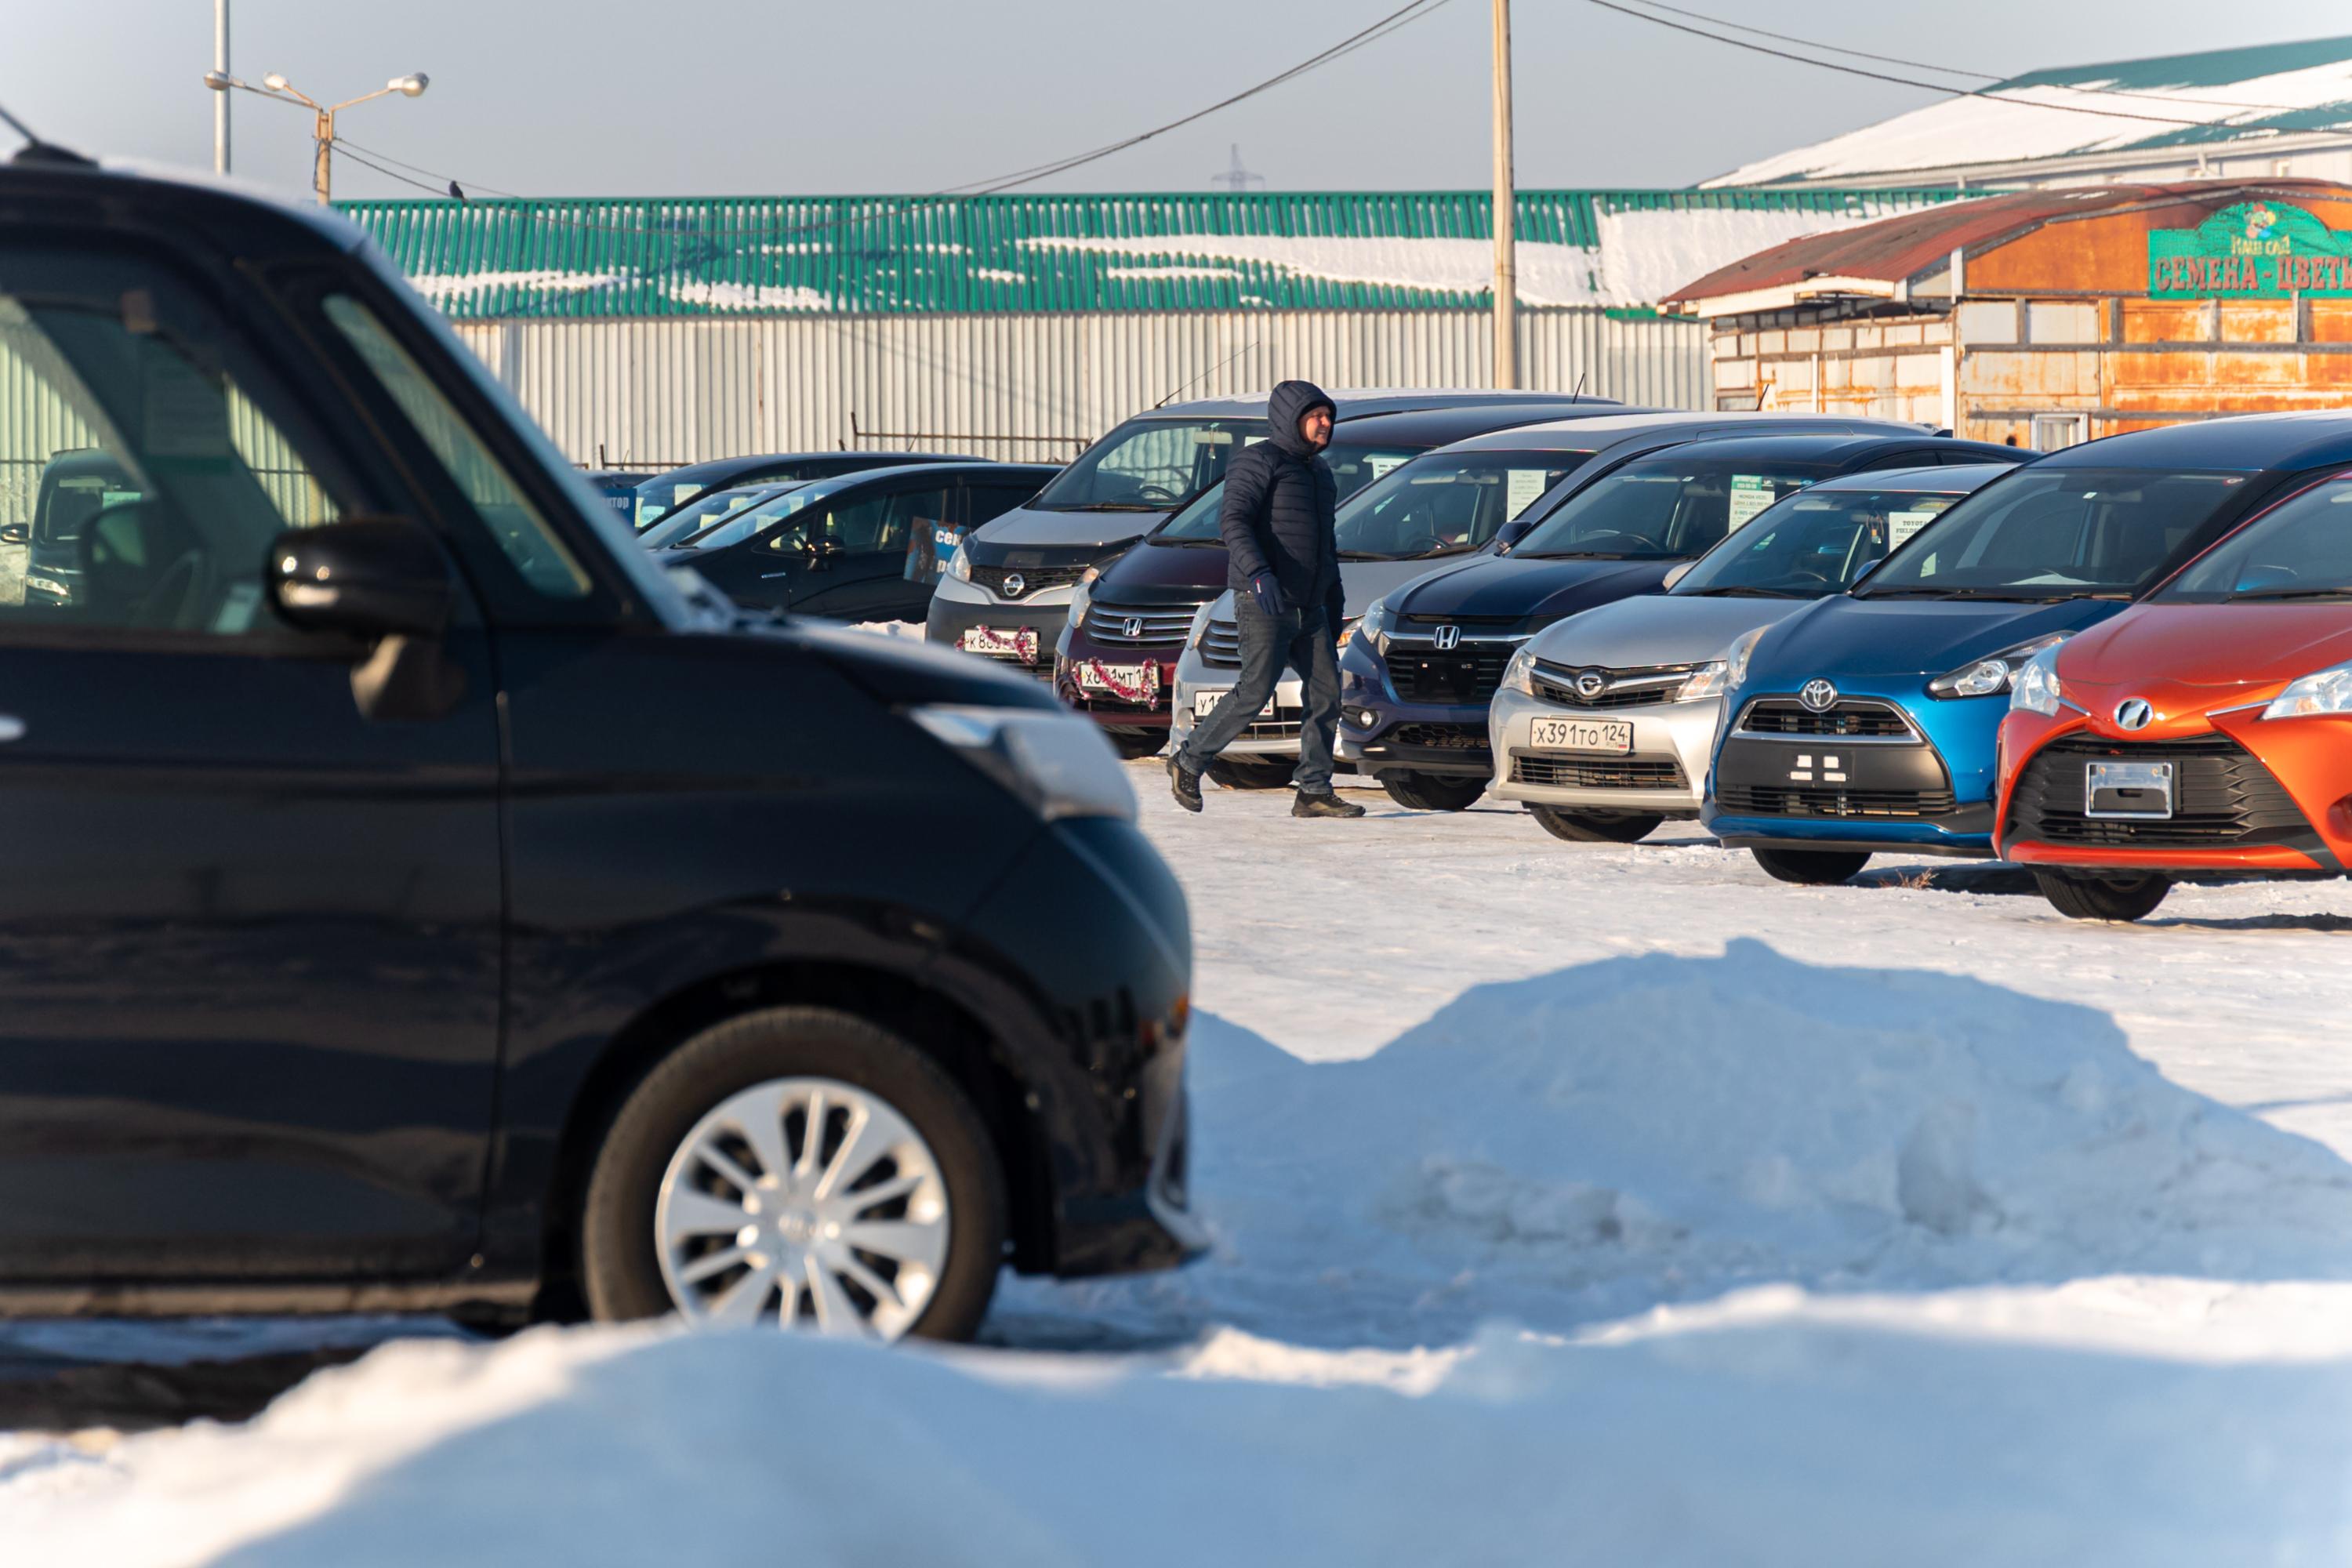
2254, 250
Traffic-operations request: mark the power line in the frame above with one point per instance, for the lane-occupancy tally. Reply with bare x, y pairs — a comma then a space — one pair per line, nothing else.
1404, 15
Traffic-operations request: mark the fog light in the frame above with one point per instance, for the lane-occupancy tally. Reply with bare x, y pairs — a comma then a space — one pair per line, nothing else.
1366, 717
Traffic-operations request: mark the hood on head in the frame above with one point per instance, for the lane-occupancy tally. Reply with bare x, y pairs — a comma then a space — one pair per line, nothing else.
1287, 406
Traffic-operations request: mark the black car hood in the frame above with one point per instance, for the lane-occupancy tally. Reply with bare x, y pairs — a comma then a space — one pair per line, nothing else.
1494, 586
900, 672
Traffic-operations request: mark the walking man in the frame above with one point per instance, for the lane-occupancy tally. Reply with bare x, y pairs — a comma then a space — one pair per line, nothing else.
1283, 566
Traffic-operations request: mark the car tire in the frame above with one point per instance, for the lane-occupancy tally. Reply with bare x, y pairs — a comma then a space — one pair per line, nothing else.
1432, 791
1810, 867
765, 1059
1253, 773
2087, 898
1132, 745
1589, 827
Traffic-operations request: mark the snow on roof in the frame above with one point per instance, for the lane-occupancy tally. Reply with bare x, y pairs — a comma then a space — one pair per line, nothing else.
2225, 95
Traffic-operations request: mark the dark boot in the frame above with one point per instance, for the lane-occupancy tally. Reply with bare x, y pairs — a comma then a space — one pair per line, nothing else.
1184, 784
1324, 804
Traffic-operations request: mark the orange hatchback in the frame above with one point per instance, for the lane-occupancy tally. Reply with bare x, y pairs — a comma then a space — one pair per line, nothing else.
2207, 728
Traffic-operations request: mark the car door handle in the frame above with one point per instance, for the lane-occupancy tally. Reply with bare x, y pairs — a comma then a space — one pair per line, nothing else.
10, 727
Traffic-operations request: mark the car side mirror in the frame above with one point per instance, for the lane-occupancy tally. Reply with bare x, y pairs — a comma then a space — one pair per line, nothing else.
1867, 569
820, 553
15, 533
1675, 574
1511, 532
371, 576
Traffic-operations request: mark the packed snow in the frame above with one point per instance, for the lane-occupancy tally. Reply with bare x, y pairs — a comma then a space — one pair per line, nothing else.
1571, 1203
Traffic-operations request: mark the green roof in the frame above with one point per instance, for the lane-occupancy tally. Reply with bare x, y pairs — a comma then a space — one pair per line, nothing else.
602, 256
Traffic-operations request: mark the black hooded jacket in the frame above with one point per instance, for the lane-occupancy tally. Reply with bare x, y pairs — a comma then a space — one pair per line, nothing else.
1279, 502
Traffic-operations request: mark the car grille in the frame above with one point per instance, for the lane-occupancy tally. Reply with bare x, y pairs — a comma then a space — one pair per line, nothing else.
1449, 737
1657, 683
1465, 676
1600, 772
1222, 645
1846, 719
1032, 578
1156, 626
2222, 798
1778, 800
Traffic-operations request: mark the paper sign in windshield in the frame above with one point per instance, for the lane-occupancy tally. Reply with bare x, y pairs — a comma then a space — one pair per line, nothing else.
1523, 487
1902, 525
1381, 466
1750, 493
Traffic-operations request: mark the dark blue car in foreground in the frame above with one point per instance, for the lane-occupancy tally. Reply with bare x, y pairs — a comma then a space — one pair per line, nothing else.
1866, 723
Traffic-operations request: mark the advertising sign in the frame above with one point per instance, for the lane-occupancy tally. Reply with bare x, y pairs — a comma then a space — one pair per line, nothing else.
2254, 250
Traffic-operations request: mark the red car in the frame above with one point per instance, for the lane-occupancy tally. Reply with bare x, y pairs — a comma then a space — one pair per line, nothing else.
2207, 728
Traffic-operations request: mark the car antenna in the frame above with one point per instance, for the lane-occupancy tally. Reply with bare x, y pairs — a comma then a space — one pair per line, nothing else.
1208, 373
36, 151
1576, 393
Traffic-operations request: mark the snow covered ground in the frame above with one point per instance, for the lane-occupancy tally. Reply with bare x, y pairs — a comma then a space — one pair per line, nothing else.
1572, 1203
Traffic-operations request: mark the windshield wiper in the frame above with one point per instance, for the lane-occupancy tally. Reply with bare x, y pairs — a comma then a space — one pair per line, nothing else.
1582, 556
1217, 542
2290, 594
1112, 506
1946, 594
1740, 591
1368, 555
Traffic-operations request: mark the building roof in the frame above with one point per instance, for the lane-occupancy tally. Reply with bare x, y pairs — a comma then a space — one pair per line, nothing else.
2255, 93
895, 255
1880, 259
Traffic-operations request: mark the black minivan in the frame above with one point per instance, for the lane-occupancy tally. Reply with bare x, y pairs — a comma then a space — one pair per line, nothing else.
417, 899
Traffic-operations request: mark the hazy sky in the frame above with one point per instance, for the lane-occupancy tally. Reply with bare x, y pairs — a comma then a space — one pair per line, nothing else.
602, 97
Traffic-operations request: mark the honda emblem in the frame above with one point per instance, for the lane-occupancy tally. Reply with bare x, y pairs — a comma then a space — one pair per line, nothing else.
1134, 628
1445, 640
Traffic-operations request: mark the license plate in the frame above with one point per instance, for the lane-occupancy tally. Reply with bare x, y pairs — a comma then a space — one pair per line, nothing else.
1206, 703
2130, 791
1616, 736
1021, 644
1128, 682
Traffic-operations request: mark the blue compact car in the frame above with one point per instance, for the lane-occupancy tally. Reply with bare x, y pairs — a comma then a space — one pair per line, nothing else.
1866, 723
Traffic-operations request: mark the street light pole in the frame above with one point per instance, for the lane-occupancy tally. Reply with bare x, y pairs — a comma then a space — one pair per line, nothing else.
220, 102
322, 124
1507, 265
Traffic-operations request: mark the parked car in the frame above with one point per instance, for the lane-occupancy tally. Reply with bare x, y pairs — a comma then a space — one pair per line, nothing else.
1008, 589
1416, 683
1126, 625
666, 492
438, 907
75, 486
696, 516
2207, 728
619, 489
1866, 723
1605, 720
855, 548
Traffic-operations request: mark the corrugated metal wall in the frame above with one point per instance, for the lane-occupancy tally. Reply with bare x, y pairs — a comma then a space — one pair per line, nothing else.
652, 392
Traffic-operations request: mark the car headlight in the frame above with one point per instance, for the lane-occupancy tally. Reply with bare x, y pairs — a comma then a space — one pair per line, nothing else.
1520, 674
1991, 676
1347, 631
1058, 762
960, 565
1200, 628
1735, 658
1083, 595
2322, 691
1373, 626
2035, 689
1705, 680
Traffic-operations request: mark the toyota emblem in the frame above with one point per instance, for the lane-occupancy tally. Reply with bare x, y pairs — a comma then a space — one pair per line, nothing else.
1134, 628
2134, 713
1445, 640
1591, 684
1818, 695
1014, 583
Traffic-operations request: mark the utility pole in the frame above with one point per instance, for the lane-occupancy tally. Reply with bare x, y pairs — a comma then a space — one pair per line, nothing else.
220, 102
1507, 206
322, 114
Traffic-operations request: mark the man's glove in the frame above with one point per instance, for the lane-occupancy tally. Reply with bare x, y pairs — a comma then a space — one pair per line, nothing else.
1268, 595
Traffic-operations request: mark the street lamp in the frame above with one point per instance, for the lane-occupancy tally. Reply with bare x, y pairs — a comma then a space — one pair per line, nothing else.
276, 86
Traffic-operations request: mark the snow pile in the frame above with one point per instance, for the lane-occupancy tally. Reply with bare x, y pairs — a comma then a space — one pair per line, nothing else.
1648, 253
1548, 274
1585, 1143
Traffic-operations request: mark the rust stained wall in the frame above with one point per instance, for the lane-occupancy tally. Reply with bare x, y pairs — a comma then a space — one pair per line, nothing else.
2107, 255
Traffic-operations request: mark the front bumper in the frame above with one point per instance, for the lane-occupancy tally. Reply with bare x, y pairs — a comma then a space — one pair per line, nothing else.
1929, 793
1380, 732
1276, 733
1663, 773
953, 614
1105, 682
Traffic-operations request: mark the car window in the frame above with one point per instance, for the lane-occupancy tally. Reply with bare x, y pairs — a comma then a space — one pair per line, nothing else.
515, 525
1674, 504
164, 460
1353, 468
2300, 548
1443, 503
1149, 465
990, 501
1813, 543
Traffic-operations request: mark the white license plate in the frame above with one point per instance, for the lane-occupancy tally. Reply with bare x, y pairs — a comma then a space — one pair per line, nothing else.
1206, 703
1021, 644
1616, 736
1134, 683
2127, 791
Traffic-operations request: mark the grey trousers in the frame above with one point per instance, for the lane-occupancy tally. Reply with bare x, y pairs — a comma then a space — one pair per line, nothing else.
1299, 639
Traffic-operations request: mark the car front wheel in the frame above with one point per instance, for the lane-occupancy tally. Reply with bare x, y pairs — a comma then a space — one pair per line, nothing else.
2089, 898
802, 1168
1588, 827
1810, 867
1432, 791
1253, 773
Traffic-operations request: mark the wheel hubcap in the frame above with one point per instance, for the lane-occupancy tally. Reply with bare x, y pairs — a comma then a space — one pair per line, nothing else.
808, 1202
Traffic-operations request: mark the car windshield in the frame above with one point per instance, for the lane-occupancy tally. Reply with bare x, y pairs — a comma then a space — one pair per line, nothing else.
689, 520
739, 526
1352, 467
1446, 502
1666, 506
2060, 533
2300, 548
1149, 465
1815, 542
